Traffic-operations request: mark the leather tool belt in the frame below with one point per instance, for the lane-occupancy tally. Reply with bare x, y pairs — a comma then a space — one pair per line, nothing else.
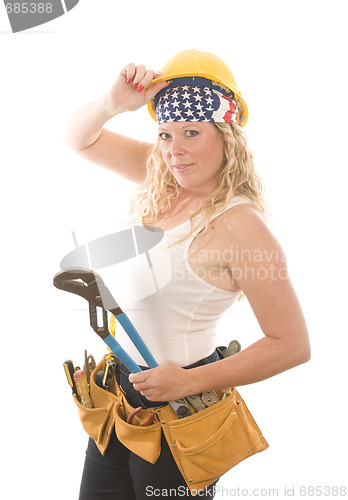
205, 445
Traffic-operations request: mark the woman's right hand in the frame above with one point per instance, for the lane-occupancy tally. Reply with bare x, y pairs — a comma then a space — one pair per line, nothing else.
129, 93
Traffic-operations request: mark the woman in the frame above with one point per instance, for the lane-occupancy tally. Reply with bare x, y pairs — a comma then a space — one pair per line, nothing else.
198, 184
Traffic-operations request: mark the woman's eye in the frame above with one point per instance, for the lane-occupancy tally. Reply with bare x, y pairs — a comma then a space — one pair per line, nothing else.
192, 133
164, 135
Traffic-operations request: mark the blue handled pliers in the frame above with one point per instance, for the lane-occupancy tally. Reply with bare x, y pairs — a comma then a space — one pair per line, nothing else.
89, 285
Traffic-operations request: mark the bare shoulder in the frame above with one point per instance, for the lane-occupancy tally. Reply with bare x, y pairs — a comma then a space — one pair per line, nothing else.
244, 225
252, 252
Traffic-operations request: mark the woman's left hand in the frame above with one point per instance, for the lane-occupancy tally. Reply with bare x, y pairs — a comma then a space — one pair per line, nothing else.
166, 382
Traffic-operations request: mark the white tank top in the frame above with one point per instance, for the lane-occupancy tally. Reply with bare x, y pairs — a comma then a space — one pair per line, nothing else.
177, 312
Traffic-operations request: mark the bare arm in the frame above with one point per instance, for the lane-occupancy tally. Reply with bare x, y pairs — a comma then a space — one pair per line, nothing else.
260, 269
261, 273
86, 135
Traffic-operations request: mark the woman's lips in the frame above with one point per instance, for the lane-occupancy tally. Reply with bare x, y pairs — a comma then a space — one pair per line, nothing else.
181, 168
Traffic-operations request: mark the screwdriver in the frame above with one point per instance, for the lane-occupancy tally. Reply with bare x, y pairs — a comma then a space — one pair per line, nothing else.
69, 372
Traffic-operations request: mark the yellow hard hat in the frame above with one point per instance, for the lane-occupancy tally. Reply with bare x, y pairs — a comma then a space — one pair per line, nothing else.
197, 63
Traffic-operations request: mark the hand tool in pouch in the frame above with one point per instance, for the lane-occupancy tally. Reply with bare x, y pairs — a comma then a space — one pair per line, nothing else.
89, 285
82, 388
69, 372
109, 372
89, 366
138, 410
201, 401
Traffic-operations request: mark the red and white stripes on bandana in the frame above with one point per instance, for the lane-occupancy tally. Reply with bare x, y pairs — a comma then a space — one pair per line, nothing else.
195, 99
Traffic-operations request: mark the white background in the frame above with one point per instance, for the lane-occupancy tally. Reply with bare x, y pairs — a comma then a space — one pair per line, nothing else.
289, 60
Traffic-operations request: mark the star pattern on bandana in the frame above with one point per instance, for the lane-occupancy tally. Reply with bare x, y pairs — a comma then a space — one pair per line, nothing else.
187, 103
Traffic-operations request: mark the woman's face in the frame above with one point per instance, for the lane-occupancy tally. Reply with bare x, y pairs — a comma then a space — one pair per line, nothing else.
193, 152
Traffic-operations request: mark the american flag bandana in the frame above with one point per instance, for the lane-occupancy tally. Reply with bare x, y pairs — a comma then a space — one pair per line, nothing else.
195, 99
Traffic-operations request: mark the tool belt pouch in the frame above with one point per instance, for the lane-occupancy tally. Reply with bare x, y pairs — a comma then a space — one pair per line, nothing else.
143, 441
110, 411
204, 445
207, 444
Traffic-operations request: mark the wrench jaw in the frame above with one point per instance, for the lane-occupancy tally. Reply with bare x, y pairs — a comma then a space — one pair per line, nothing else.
77, 280
89, 285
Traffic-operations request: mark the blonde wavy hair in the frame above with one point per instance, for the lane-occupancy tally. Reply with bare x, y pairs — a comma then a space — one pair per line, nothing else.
237, 176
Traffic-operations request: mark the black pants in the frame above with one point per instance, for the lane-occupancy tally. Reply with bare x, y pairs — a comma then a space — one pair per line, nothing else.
122, 475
